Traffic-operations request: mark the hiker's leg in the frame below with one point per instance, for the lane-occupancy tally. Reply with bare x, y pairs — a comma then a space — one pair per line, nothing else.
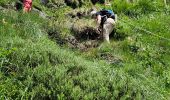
106, 33
111, 21
27, 5
108, 28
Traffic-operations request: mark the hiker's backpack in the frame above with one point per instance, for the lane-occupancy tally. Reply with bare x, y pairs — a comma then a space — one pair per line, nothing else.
106, 14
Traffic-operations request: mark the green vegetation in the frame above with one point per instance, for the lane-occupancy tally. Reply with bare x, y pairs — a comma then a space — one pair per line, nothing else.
37, 61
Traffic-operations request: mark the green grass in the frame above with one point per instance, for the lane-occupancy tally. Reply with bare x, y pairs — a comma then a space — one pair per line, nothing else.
34, 67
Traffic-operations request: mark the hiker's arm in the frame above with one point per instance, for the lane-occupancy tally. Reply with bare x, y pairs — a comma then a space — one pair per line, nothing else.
98, 19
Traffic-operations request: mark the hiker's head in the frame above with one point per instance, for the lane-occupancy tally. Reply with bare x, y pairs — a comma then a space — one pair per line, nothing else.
93, 14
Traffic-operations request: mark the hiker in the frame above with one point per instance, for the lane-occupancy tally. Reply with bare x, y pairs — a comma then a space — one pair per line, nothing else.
27, 5
106, 21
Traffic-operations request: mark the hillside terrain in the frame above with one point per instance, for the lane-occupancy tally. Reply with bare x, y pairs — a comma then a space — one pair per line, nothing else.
55, 52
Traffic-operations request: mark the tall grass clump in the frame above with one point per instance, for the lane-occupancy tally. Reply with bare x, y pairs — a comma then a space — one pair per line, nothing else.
137, 8
147, 46
3, 2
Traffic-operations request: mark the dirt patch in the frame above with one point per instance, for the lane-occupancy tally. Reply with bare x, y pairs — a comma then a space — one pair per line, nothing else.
74, 3
56, 36
88, 33
85, 38
110, 58
82, 40
84, 35
84, 46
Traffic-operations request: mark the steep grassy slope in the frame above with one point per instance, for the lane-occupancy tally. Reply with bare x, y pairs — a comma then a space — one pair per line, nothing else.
134, 66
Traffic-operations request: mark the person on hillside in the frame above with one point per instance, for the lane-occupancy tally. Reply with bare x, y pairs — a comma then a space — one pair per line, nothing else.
27, 5
106, 20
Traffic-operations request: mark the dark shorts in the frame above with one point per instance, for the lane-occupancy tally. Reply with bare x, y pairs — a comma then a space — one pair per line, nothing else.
104, 18
112, 16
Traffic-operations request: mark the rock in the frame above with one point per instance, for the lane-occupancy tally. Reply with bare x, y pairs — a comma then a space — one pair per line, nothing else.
74, 3
81, 46
97, 1
41, 14
18, 5
1, 8
69, 2
44, 2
